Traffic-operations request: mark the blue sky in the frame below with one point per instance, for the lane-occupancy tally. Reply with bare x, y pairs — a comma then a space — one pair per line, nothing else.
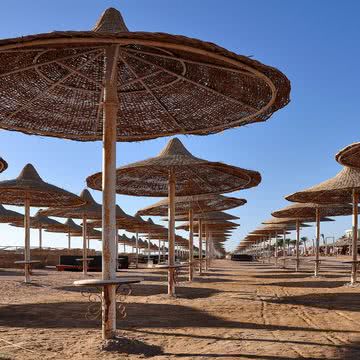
315, 43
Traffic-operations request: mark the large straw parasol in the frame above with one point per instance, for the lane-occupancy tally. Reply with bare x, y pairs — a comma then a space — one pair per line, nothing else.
9, 216
113, 84
90, 210
344, 188
70, 228
190, 205
40, 222
176, 170
29, 189
3, 165
349, 156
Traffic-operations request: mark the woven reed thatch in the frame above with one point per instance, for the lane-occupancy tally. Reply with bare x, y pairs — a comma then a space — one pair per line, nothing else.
9, 216
52, 84
337, 190
307, 211
92, 234
29, 185
194, 176
123, 220
213, 215
210, 225
69, 227
349, 156
197, 203
39, 221
3, 165
292, 220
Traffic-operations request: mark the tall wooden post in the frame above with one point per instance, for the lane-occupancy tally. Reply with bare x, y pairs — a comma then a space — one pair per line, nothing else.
191, 244
117, 247
110, 109
206, 247
84, 255
354, 265
40, 237
27, 240
317, 245
297, 245
269, 251
276, 249
200, 231
137, 250
284, 243
69, 239
171, 216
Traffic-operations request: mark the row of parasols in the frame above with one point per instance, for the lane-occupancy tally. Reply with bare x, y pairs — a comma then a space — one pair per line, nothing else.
337, 196
204, 213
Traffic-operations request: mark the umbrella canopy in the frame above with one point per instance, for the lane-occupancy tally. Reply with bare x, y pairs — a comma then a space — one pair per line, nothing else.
194, 176
9, 216
292, 220
39, 221
307, 211
208, 216
197, 203
61, 75
3, 165
69, 227
210, 225
338, 189
29, 186
349, 156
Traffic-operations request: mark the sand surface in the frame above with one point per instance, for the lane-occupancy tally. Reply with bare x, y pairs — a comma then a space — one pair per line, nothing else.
235, 311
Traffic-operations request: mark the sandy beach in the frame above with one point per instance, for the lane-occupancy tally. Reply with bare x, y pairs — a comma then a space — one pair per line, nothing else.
236, 311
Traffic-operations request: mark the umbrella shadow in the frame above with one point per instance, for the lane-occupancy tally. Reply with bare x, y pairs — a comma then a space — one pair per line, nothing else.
139, 316
308, 284
331, 301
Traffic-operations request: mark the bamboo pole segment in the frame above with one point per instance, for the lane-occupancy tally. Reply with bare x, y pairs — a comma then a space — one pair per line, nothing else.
206, 248
317, 244
284, 243
84, 255
137, 250
276, 248
27, 240
200, 246
171, 215
69, 239
354, 265
159, 252
297, 245
110, 108
40, 237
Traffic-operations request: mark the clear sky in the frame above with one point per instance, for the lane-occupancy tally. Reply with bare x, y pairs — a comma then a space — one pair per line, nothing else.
315, 43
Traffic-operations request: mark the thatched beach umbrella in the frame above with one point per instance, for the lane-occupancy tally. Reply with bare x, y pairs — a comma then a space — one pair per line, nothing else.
90, 210
3, 165
111, 84
9, 216
188, 206
70, 228
291, 217
29, 189
349, 156
176, 171
342, 189
40, 222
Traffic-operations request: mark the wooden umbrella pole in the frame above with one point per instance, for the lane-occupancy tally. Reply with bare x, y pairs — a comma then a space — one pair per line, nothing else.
110, 109
117, 247
69, 239
84, 255
149, 249
317, 245
159, 252
297, 245
200, 246
191, 244
354, 265
206, 248
27, 240
276, 249
284, 243
40, 237
171, 215
269, 251
137, 250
